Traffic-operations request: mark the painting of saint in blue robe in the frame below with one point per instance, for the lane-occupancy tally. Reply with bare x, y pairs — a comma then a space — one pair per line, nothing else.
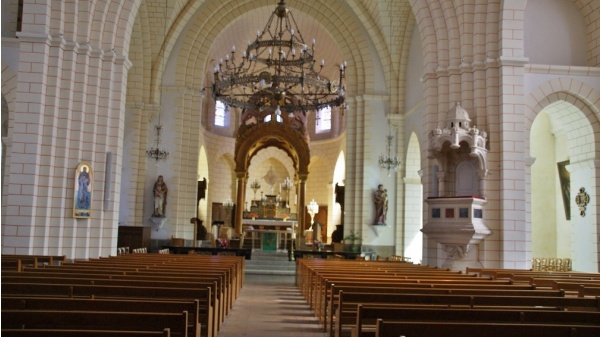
83, 191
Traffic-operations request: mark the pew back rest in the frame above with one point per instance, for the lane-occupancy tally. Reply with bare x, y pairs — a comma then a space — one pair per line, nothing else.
453, 329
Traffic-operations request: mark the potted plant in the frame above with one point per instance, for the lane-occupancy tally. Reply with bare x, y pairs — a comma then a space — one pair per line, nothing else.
353, 240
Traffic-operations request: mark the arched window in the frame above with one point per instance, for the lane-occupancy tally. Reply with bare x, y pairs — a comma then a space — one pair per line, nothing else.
278, 119
220, 110
323, 120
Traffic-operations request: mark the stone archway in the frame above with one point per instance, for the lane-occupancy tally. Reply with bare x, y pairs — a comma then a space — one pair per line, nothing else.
251, 138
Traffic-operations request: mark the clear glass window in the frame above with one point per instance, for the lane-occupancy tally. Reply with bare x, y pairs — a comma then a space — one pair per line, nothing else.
323, 120
220, 110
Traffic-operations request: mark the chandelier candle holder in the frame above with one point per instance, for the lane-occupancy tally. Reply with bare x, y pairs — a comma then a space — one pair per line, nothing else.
276, 72
286, 187
157, 153
255, 186
387, 161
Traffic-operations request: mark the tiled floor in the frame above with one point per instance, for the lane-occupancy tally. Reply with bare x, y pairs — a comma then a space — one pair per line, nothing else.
270, 306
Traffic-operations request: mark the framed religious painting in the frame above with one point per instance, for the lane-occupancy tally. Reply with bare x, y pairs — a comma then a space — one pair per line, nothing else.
82, 198
565, 186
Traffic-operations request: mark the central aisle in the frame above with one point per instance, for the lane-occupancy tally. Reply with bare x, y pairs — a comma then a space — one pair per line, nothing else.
270, 305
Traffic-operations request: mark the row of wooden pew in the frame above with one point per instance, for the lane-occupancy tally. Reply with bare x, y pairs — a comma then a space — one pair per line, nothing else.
125, 295
384, 299
19, 262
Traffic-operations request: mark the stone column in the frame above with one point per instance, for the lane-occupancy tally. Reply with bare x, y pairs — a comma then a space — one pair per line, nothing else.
301, 204
241, 193
441, 184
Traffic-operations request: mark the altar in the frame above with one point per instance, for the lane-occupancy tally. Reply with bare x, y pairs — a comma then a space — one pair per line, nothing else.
271, 235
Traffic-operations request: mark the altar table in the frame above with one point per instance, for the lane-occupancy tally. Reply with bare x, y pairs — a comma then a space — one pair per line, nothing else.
283, 229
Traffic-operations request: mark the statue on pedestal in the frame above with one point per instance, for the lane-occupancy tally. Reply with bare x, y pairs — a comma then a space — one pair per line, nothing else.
381, 205
160, 197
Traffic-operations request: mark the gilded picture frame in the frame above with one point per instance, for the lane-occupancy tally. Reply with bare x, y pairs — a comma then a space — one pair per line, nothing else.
84, 186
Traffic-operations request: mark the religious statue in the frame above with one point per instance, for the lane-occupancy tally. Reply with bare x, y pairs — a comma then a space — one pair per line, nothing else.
201, 231
338, 234
160, 197
381, 205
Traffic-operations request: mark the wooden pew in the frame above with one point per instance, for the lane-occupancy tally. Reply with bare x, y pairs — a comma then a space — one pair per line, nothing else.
319, 281
367, 316
451, 329
112, 305
80, 332
217, 298
119, 292
153, 270
455, 289
315, 276
95, 320
18, 262
325, 297
157, 270
235, 265
344, 309
588, 291
39, 276
199, 315
102, 266
499, 273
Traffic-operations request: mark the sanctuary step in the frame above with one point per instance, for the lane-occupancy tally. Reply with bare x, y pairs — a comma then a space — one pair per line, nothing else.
270, 263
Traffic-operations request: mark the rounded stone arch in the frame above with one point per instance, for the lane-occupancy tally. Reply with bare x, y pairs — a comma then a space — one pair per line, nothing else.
255, 137
568, 90
264, 135
9, 86
572, 109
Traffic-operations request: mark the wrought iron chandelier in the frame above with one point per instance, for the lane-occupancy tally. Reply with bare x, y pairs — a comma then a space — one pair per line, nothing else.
387, 161
157, 153
276, 72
